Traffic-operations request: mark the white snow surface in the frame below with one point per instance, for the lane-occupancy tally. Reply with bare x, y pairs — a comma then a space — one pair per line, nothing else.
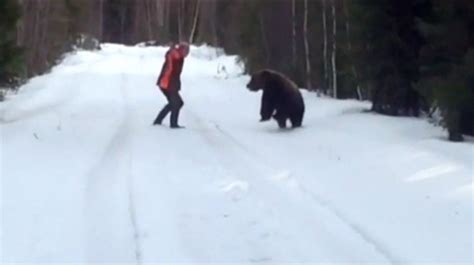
85, 178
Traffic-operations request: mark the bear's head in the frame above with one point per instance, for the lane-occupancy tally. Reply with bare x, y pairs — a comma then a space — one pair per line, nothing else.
258, 80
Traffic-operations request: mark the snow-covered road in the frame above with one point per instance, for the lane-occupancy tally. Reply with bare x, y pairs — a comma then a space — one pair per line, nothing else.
85, 178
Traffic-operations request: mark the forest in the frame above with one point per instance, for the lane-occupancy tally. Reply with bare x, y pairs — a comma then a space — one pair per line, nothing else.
408, 57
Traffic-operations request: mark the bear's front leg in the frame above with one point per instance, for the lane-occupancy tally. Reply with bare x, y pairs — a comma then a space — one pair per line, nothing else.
266, 115
267, 107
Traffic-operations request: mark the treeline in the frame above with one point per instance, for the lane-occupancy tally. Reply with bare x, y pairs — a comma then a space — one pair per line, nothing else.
45, 29
406, 56
418, 55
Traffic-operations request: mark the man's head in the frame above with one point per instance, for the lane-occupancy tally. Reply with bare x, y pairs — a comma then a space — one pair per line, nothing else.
183, 48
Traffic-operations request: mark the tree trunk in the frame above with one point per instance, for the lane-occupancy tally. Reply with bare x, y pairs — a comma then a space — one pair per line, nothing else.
265, 40
149, 16
36, 55
160, 7
349, 47
167, 20
325, 47
195, 22
454, 129
101, 20
20, 27
213, 23
180, 19
293, 43
122, 24
306, 47
334, 47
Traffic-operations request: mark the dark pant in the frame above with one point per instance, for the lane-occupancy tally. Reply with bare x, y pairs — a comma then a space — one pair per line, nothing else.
174, 106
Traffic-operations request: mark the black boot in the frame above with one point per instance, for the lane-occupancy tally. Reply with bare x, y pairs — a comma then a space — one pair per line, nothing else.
174, 119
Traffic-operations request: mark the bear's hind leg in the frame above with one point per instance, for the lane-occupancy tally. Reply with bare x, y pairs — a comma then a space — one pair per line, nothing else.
296, 120
281, 118
282, 123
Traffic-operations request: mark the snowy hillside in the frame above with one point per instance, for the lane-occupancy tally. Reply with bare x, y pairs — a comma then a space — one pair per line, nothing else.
85, 177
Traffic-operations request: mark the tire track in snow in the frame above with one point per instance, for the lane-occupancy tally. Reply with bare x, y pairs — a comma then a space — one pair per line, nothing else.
264, 166
131, 197
380, 247
229, 160
112, 176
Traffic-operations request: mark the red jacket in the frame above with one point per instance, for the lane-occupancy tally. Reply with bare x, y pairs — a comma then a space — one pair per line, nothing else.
171, 71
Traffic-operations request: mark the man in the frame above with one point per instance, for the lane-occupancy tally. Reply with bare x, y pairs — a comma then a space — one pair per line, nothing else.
169, 82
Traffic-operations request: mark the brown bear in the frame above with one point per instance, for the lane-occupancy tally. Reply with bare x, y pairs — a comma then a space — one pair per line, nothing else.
281, 98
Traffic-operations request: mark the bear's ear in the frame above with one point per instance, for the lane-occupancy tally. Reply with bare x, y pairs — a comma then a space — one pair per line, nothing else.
264, 75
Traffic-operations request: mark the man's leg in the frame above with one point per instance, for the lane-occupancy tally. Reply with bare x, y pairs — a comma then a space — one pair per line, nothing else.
164, 111
176, 103
162, 114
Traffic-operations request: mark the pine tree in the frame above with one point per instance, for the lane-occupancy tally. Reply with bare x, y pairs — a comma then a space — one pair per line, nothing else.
386, 48
253, 51
11, 62
448, 63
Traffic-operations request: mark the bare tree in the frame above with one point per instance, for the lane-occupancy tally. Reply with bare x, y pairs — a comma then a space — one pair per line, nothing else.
334, 49
349, 47
325, 44
181, 6
195, 22
306, 46
293, 43
160, 8
264, 39
101, 20
149, 21
213, 22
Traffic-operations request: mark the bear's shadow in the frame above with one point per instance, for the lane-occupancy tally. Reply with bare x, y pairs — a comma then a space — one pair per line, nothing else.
287, 130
